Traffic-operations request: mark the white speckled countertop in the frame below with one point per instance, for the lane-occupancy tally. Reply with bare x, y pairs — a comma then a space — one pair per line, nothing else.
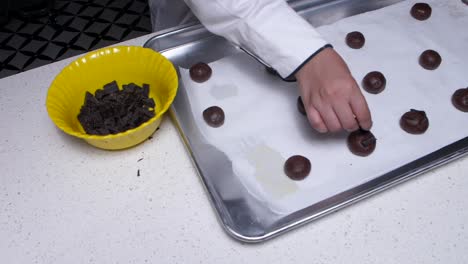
63, 201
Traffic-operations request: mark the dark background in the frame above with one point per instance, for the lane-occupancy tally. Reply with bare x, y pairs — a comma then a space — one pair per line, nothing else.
38, 32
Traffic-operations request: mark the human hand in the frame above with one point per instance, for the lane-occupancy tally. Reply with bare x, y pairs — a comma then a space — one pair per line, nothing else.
331, 96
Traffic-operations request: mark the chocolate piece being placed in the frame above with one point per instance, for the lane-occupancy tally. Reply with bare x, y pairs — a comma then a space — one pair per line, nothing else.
355, 40
297, 167
430, 60
200, 72
300, 106
361, 142
214, 116
374, 82
414, 122
460, 99
421, 11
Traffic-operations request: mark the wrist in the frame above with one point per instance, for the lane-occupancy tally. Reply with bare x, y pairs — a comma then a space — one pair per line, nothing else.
297, 72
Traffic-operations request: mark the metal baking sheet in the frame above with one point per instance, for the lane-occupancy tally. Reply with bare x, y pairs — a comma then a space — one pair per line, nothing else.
243, 216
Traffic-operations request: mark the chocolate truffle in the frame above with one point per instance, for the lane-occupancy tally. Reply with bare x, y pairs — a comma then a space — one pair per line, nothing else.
300, 106
297, 167
465, 2
430, 60
414, 122
421, 11
214, 116
460, 99
355, 40
200, 72
374, 82
361, 142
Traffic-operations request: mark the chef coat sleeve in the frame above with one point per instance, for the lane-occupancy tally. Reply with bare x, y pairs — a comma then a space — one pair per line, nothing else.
269, 28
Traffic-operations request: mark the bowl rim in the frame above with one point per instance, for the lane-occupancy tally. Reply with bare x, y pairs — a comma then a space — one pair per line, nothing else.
159, 115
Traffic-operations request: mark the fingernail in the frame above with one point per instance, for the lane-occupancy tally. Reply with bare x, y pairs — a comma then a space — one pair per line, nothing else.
322, 130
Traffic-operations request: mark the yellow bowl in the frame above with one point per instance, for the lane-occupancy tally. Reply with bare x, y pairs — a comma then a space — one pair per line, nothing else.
124, 64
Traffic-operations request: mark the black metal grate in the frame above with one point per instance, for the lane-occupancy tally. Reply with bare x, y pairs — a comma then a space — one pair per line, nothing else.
72, 28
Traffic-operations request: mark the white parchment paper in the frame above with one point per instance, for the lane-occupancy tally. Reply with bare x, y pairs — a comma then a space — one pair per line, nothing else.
263, 127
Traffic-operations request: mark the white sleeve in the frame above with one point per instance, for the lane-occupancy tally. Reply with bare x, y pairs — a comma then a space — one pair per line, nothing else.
269, 28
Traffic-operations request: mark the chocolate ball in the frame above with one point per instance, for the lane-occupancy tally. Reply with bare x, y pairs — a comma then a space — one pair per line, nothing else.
300, 106
361, 142
374, 82
355, 40
421, 11
465, 2
430, 60
414, 122
200, 72
460, 99
214, 116
297, 167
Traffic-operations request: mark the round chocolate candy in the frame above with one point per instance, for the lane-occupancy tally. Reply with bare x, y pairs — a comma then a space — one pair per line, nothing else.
361, 142
430, 60
200, 72
465, 2
297, 167
355, 40
374, 82
300, 106
460, 99
421, 11
414, 122
214, 116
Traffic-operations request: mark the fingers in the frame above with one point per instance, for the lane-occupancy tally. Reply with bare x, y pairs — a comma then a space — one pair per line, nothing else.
349, 116
325, 118
322, 117
345, 115
315, 120
361, 111
341, 114
331, 120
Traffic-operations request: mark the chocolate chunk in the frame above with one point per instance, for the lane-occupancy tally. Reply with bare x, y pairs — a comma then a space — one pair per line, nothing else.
149, 102
99, 94
214, 116
421, 11
361, 142
300, 106
111, 111
465, 2
111, 87
414, 122
297, 167
374, 82
460, 99
146, 89
430, 60
355, 40
200, 72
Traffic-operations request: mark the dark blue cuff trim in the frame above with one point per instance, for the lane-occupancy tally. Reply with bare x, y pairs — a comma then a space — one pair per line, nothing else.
291, 77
